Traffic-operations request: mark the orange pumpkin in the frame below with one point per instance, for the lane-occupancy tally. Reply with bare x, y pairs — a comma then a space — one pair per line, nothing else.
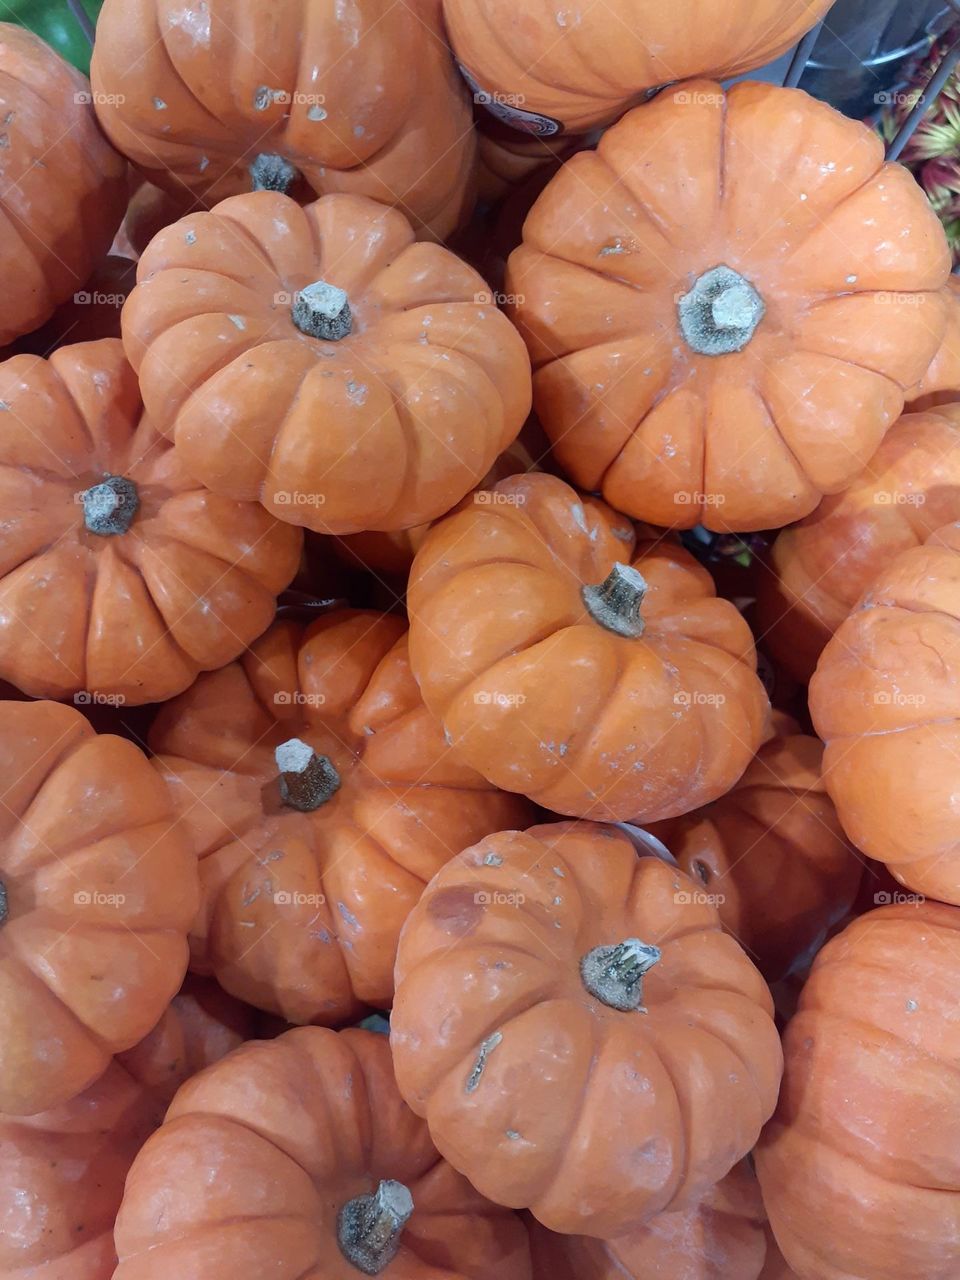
724, 304
97, 892
122, 577
819, 568
149, 211
64, 187
581, 1036
771, 853
92, 313
941, 383
600, 678
298, 1157
886, 701
867, 1126
542, 69
310, 97
253, 323
320, 797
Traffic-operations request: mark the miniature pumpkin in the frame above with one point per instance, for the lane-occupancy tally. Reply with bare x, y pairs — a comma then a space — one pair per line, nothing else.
600, 678
866, 1129
97, 892
121, 577
254, 323
63, 185
543, 69
724, 304
581, 1036
298, 1157
311, 98
320, 797
941, 383
93, 312
771, 853
820, 567
721, 1237
886, 701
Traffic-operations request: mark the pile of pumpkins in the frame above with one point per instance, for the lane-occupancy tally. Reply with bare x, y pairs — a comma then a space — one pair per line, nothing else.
403, 869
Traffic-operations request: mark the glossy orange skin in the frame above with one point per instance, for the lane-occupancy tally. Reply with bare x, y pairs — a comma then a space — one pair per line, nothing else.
405, 806
63, 186
844, 251
586, 67
866, 1129
819, 568
885, 701
257, 1156
131, 616
361, 98
542, 699
494, 947
941, 383
773, 852
85, 822
415, 403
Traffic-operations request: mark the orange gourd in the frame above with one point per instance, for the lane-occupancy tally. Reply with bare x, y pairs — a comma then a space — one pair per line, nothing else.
121, 577
581, 1036
298, 1157
886, 701
771, 854
311, 97
819, 568
724, 305
585, 66
321, 362
866, 1129
601, 678
63, 185
319, 797
97, 891
941, 383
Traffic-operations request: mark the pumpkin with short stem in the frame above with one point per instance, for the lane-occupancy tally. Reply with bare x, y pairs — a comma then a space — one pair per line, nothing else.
298, 1157
120, 576
725, 303
601, 678
866, 1130
309, 97
321, 362
819, 568
63, 186
886, 701
320, 797
577, 68
771, 853
580, 1034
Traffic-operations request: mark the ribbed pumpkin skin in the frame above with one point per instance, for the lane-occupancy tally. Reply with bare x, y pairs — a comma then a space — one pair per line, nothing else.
540, 697
63, 186
134, 615
844, 253
584, 67
773, 853
820, 567
546, 1097
257, 1156
941, 382
101, 890
352, 869
385, 428
886, 701
359, 98
867, 1129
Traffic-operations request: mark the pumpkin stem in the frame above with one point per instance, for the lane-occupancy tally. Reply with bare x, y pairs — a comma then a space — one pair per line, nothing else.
614, 975
369, 1227
616, 602
306, 780
322, 310
720, 313
109, 507
4, 903
270, 172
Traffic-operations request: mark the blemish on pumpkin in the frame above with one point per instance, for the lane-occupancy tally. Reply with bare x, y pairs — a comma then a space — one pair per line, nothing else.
492, 860
350, 918
190, 237
912, 1006
455, 910
316, 114
486, 1048
159, 104
557, 871
238, 322
512, 1135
